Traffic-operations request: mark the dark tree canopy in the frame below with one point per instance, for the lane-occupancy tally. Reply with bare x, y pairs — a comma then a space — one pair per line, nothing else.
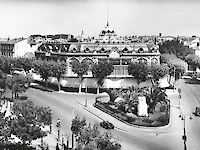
89, 137
193, 60
101, 70
175, 47
139, 71
58, 70
24, 63
159, 71
80, 68
28, 120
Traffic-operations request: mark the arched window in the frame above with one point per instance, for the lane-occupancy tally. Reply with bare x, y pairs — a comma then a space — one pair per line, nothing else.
102, 50
89, 62
87, 50
141, 50
63, 60
154, 61
125, 50
142, 60
74, 50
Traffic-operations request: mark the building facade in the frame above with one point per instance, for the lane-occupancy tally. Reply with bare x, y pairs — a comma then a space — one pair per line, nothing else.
6, 49
107, 47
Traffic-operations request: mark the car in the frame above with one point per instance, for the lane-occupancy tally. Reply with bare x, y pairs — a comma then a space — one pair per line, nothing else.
107, 125
197, 111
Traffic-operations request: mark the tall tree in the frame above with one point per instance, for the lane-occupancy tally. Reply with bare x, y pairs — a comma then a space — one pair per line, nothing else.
24, 63
139, 71
193, 60
89, 137
175, 47
29, 120
18, 83
176, 65
58, 70
100, 71
80, 69
44, 68
158, 72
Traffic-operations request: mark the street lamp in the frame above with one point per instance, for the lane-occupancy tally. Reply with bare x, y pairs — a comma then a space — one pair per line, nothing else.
183, 117
11, 72
86, 95
179, 91
58, 124
184, 137
73, 113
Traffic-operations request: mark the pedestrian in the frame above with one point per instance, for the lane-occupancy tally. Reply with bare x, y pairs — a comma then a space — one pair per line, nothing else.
65, 147
57, 147
58, 123
50, 129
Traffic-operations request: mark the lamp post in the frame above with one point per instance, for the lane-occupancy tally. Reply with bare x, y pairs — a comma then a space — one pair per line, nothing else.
11, 72
184, 137
86, 95
73, 113
58, 126
174, 76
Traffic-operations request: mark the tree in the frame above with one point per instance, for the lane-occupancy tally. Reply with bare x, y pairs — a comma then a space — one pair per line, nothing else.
45, 70
58, 69
80, 69
193, 60
159, 71
2, 80
100, 71
24, 63
29, 121
5, 64
157, 95
88, 137
18, 83
176, 65
139, 71
77, 125
5, 130
175, 47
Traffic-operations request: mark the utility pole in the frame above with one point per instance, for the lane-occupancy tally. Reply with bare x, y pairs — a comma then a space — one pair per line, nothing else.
86, 95
58, 126
184, 137
73, 113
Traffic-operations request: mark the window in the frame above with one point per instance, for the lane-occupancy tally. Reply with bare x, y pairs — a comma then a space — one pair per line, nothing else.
154, 61
142, 60
141, 50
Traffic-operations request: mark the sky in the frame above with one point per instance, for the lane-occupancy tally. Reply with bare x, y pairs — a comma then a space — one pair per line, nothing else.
127, 17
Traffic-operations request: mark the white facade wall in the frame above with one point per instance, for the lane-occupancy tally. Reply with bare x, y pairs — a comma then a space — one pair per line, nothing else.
21, 48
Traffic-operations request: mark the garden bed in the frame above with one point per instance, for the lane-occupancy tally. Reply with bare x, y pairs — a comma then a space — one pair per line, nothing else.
155, 119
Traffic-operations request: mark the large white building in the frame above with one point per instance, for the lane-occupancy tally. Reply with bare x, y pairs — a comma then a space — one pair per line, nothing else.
106, 47
23, 48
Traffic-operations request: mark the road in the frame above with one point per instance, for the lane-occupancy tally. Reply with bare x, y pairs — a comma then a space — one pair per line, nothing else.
131, 138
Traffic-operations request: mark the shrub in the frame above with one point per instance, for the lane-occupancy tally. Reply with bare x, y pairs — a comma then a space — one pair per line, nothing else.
147, 120
119, 115
130, 119
163, 119
162, 108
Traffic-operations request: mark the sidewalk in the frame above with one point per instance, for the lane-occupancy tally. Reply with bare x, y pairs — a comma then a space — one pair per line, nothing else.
50, 140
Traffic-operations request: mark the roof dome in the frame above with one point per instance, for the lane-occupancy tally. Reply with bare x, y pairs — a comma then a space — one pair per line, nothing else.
107, 30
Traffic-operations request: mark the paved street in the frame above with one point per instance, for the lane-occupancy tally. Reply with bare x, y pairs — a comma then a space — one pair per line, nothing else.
164, 138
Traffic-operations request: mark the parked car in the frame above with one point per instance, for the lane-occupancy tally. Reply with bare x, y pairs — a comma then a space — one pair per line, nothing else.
197, 111
107, 125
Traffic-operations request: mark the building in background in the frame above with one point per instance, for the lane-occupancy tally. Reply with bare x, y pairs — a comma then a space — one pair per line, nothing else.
6, 48
106, 47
